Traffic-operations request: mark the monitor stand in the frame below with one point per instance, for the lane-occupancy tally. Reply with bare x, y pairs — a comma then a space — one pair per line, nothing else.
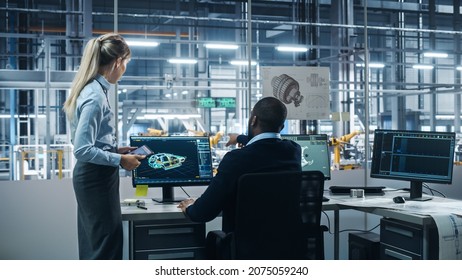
416, 192
168, 196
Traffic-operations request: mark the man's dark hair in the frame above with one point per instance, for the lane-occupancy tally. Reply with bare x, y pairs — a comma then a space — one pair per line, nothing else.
271, 114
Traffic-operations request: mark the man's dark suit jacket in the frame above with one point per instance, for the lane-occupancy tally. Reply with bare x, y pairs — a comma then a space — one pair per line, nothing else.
266, 155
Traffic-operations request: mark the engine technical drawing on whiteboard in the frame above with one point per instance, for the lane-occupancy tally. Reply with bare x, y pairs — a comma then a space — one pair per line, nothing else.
304, 90
286, 89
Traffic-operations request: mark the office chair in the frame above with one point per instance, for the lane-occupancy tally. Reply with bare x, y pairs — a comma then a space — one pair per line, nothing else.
311, 194
277, 217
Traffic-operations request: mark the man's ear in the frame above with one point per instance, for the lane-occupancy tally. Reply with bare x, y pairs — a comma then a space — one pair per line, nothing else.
282, 127
253, 121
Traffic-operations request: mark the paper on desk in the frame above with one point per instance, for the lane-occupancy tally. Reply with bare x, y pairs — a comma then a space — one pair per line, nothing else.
450, 236
376, 202
417, 207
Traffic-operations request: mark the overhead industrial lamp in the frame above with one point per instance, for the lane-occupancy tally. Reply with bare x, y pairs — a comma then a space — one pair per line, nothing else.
242, 62
142, 43
435, 54
423, 66
221, 46
8, 116
170, 116
182, 60
288, 48
371, 65
459, 68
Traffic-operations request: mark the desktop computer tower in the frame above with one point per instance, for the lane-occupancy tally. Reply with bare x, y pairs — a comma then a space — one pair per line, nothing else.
364, 246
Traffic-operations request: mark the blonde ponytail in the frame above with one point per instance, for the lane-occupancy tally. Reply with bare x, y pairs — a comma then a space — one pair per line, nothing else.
87, 71
98, 53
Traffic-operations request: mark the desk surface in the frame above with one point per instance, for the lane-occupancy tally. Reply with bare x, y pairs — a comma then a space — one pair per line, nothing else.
155, 211
417, 212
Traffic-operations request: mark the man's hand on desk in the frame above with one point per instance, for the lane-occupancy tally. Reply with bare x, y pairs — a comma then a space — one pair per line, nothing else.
185, 204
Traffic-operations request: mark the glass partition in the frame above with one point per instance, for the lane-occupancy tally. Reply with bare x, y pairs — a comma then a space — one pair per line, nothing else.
391, 66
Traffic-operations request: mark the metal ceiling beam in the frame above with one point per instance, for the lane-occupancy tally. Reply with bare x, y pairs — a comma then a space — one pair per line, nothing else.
30, 79
161, 104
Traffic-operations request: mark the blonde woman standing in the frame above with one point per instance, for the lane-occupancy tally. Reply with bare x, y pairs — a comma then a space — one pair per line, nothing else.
96, 173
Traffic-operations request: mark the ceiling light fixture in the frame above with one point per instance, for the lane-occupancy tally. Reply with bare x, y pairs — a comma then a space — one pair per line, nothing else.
169, 116
422, 66
435, 54
287, 48
222, 46
7, 116
242, 62
140, 43
371, 65
182, 61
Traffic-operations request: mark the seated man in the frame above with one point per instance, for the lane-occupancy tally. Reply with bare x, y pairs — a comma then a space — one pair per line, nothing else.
264, 152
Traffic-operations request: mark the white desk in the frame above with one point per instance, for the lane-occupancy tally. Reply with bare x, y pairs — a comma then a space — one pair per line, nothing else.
162, 231
414, 212
411, 212
155, 211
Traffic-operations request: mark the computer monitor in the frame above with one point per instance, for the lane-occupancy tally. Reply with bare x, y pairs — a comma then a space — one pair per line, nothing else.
315, 152
415, 156
176, 161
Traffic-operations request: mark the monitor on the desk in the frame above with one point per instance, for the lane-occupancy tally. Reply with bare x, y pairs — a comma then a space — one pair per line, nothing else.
315, 152
176, 161
414, 156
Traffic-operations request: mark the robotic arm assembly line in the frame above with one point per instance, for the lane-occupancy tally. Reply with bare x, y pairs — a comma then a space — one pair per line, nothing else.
338, 144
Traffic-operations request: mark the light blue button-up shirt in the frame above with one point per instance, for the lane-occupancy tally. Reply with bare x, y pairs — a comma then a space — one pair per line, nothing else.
264, 135
92, 131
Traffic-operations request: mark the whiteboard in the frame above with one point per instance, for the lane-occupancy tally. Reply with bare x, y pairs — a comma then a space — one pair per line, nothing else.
304, 90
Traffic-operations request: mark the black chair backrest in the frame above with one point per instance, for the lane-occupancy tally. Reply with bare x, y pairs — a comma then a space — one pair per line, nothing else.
311, 193
268, 214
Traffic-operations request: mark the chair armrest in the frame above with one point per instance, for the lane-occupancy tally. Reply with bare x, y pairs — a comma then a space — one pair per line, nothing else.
217, 245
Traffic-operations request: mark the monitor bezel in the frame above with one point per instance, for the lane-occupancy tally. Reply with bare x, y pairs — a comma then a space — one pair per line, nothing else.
167, 187
415, 181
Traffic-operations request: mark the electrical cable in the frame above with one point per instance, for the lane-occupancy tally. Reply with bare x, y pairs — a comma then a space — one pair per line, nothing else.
367, 230
187, 194
328, 222
345, 230
428, 188
433, 190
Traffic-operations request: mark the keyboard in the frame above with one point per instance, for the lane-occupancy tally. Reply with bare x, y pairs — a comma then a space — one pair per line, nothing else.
346, 189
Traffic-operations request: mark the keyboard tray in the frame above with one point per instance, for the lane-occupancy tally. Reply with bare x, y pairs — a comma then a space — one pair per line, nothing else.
346, 189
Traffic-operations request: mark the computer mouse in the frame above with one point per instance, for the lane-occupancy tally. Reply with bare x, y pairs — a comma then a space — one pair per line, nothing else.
398, 199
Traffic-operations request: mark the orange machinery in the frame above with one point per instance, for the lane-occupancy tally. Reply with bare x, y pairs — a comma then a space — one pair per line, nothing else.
338, 144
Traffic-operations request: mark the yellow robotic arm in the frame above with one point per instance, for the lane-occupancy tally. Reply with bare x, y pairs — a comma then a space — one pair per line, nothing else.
215, 139
338, 144
154, 132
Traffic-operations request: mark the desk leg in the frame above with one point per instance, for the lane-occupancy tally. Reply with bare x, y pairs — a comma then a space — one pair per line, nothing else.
425, 247
131, 249
336, 234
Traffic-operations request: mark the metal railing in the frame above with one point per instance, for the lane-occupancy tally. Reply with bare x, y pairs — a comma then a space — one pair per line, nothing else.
38, 162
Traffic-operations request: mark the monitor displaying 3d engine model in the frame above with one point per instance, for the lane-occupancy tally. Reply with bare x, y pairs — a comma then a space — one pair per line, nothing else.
315, 152
176, 161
